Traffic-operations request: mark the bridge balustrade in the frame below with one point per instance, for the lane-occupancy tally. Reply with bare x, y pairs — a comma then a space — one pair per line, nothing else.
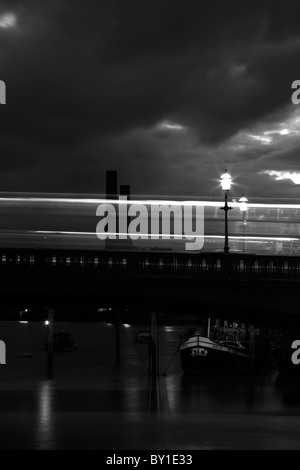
159, 264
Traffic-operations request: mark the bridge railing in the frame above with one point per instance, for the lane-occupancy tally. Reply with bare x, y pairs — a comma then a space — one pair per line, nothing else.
152, 264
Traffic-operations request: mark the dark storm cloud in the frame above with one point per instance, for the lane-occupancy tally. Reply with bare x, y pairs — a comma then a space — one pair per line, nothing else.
88, 81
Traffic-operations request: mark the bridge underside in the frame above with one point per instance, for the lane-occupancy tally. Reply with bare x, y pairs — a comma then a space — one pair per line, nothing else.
260, 301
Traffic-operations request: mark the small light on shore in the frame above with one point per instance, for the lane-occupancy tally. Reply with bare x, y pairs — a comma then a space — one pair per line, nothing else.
47, 322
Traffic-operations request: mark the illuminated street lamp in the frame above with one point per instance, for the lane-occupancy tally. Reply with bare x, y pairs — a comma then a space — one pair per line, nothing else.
226, 185
243, 204
244, 207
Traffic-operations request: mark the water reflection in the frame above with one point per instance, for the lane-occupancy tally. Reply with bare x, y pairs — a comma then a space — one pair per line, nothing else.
92, 402
217, 394
45, 435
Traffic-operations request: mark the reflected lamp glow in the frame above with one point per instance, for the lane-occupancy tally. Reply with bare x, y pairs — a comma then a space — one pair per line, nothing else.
226, 181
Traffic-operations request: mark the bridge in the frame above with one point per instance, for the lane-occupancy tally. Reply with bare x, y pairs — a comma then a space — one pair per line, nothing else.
246, 287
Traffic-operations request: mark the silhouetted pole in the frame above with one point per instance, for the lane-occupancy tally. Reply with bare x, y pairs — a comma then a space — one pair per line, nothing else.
252, 346
154, 383
117, 330
153, 344
244, 233
157, 349
50, 327
226, 208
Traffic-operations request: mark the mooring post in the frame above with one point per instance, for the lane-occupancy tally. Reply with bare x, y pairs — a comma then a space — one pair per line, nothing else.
252, 345
153, 344
117, 330
50, 327
157, 348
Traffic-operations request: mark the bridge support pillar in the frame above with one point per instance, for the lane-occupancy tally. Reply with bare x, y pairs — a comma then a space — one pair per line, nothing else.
50, 358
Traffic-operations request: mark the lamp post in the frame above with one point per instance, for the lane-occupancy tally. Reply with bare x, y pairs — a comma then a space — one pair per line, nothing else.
243, 208
226, 185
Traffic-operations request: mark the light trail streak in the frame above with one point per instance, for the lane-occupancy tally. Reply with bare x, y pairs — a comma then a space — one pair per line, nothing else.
149, 235
146, 202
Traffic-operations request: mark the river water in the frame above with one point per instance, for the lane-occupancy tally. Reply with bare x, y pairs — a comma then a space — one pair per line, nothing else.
93, 402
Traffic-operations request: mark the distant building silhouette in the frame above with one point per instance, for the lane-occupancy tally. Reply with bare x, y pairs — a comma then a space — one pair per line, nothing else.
112, 192
111, 184
125, 190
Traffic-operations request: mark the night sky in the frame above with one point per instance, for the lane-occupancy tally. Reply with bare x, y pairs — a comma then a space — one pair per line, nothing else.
167, 92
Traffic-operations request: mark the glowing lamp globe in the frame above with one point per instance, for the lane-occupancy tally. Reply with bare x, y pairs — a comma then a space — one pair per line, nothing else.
226, 181
243, 204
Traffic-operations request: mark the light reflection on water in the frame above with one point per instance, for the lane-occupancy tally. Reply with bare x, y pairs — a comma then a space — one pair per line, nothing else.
93, 402
45, 427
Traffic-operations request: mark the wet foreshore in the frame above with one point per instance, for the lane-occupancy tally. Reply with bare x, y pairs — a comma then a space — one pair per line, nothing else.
93, 402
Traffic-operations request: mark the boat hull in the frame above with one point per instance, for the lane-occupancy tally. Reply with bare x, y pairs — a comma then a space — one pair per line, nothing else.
202, 356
